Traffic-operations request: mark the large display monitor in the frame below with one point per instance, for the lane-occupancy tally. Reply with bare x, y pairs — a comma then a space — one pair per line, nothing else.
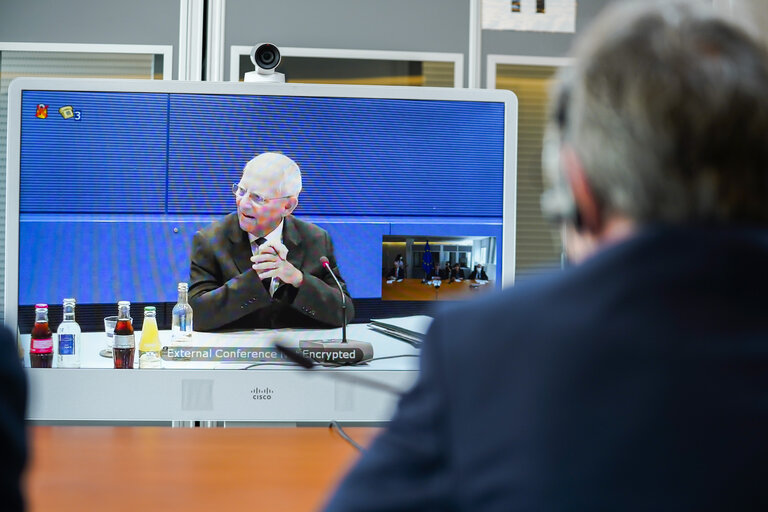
108, 180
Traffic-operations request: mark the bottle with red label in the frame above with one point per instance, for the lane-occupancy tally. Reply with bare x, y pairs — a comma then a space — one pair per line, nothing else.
124, 344
41, 343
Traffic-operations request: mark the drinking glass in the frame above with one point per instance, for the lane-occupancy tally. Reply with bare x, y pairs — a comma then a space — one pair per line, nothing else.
109, 329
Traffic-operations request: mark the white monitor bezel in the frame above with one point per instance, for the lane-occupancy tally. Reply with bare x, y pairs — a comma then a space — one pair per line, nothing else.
229, 380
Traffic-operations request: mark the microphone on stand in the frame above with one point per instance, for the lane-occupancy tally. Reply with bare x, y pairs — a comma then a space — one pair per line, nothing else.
324, 261
336, 351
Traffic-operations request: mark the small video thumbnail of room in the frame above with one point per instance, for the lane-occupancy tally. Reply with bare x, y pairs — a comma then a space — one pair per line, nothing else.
429, 268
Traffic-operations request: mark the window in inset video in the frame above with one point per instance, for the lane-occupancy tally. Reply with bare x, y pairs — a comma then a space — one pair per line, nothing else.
429, 268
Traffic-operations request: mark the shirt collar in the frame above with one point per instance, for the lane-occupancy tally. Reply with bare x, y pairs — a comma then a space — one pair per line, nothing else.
275, 236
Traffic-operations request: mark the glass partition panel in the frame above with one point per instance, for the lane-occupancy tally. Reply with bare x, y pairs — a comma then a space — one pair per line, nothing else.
18, 63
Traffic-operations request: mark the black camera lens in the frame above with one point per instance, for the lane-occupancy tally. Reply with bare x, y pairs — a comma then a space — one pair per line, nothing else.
267, 56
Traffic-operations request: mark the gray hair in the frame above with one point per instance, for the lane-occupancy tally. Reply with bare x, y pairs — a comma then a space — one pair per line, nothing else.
668, 112
289, 181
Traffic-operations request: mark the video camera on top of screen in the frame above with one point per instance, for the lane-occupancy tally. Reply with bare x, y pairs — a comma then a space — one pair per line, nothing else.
266, 57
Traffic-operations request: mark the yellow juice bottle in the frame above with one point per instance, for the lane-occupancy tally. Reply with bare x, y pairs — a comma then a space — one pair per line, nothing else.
149, 346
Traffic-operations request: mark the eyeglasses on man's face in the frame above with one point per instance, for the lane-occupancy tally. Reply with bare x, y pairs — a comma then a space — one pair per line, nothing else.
256, 199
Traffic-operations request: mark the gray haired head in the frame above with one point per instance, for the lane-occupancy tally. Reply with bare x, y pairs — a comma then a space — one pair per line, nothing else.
668, 113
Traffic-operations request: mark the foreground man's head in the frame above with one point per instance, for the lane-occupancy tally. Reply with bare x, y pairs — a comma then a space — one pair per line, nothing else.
634, 381
663, 119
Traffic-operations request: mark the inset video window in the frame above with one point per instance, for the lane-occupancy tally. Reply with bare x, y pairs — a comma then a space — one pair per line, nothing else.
430, 268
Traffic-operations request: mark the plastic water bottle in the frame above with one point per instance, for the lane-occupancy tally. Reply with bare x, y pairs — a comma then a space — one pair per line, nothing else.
181, 323
68, 338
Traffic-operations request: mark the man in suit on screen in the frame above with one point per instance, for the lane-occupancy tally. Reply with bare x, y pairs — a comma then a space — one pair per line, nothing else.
637, 378
479, 273
259, 267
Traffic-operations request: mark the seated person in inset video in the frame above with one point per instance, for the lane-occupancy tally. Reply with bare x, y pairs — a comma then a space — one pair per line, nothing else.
445, 273
398, 269
457, 274
435, 272
479, 273
431, 271
259, 267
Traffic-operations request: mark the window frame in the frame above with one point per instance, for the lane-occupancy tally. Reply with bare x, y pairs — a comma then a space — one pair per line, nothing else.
494, 59
236, 51
142, 49
492, 62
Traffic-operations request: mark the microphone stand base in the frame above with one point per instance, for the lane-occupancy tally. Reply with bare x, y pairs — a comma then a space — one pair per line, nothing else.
334, 351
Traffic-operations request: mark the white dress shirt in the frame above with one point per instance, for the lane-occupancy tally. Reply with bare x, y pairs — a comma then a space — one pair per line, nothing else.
276, 235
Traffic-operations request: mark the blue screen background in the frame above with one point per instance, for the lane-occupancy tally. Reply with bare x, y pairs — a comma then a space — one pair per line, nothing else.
109, 203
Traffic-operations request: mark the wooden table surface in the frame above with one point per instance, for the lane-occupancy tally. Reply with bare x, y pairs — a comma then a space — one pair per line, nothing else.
142, 469
414, 289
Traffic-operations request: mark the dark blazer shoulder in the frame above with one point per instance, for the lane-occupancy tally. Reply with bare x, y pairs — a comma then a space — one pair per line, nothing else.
304, 228
228, 228
222, 226
223, 231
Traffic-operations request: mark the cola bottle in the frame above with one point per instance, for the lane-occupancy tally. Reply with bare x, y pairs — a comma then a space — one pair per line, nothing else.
124, 345
41, 343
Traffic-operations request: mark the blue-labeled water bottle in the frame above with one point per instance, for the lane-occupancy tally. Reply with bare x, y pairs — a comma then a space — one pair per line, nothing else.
68, 338
181, 323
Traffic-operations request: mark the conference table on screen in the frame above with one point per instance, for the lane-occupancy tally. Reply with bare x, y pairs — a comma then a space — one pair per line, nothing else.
415, 289
160, 468
398, 355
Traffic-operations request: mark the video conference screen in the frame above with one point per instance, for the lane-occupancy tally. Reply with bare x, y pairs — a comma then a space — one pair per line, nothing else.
113, 186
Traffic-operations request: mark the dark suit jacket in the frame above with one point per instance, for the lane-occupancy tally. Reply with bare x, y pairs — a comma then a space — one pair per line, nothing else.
635, 381
225, 292
13, 440
482, 276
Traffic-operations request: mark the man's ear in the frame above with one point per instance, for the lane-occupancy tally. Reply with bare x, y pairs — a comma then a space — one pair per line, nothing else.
290, 205
583, 196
